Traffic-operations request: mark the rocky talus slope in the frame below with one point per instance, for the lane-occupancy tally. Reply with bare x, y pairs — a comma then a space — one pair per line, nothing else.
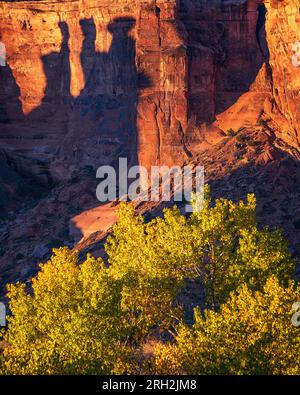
161, 82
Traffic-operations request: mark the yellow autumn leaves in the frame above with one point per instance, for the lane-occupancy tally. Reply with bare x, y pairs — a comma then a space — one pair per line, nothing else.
252, 333
95, 318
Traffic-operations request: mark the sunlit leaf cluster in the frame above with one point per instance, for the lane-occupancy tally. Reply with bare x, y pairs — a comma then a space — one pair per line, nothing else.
96, 317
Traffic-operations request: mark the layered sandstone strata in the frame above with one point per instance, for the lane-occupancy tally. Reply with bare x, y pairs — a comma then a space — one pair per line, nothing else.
153, 80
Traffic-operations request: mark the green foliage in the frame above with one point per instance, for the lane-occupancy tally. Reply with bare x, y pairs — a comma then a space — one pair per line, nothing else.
232, 250
251, 334
70, 322
220, 243
93, 318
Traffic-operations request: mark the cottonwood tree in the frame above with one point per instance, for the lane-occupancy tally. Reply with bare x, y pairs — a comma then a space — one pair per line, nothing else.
94, 317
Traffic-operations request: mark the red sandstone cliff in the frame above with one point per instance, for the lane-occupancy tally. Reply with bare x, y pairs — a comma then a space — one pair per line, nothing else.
283, 31
140, 76
162, 82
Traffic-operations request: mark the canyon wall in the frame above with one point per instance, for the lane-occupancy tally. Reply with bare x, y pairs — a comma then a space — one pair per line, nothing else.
87, 82
209, 82
283, 36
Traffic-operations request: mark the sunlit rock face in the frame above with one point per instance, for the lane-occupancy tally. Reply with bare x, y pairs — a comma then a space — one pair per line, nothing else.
283, 35
87, 82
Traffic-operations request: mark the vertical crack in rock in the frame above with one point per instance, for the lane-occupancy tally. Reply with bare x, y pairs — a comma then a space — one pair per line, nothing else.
261, 32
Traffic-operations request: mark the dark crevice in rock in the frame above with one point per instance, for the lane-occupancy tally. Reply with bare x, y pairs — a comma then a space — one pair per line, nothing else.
261, 32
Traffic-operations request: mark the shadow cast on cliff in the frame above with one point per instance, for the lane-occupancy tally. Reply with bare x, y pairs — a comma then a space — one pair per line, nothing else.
101, 118
104, 113
98, 125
